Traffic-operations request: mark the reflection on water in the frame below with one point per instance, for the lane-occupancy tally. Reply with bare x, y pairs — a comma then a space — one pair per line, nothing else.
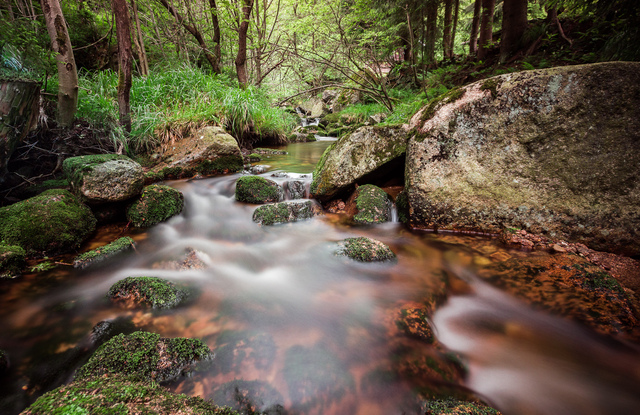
298, 330
301, 157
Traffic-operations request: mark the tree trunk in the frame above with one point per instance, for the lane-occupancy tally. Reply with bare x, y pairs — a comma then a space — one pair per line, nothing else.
514, 24
217, 38
486, 27
455, 26
125, 60
475, 27
144, 62
446, 33
241, 58
67, 71
432, 27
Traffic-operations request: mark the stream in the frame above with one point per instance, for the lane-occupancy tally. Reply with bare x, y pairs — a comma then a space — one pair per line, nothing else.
314, 333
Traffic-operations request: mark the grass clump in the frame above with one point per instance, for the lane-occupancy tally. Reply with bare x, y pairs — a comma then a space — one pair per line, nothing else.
153, 292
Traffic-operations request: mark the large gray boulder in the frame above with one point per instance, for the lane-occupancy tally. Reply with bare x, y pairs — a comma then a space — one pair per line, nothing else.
104, 178
367, 151
553, 151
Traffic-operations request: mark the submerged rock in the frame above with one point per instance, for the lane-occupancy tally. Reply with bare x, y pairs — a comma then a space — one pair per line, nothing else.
373, 205
117, 395
250, 397
103, 178
157, 204
151, 292
367, 152
553, 151
285, 212
366, 250
258, 190
12, 260
104, 252
145, 356
53, 222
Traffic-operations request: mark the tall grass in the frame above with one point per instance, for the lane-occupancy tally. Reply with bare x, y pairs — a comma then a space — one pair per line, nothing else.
174, 102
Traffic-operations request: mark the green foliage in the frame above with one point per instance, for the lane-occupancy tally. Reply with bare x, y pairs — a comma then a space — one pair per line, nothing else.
25, 49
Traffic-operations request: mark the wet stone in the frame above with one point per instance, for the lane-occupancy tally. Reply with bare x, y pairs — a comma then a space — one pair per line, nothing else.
250, 397
258, 190
296, 189
152, 292
365, 249
285, 212
103, 253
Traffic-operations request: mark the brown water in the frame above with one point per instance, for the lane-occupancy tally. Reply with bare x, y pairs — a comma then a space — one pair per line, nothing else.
316, 333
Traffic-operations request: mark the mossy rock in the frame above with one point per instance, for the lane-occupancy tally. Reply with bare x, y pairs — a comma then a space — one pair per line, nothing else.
258, 190
365, 249
254, 157
50, 223
249, 397
144, 356
104, 252
115, 395
12, 261
284, 212
452, 406
150, 292
156, 204
102, 178
402, 204
373, 205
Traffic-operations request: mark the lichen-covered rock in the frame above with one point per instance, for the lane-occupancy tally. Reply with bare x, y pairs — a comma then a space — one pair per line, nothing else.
151, 292
156, 204
285, 212
553, 151
145, 356
365, 249
103, 178
372, 205
209, 152
364, 153
53, 222
257, 189
104, 252
117, 395
12, 260
295, 189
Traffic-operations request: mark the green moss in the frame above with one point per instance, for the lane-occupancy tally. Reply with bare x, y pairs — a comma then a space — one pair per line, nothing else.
77, 167
115, 395
402, 204
451, 96
311, 137
452, 406
52, 222
257, 189
317, 180
254, 157
156, 204
490, 84
283, 212
12, 260
333, 118
104, 252
149, 291
373, 205
602, 280
366, 250
144, 356
220, 165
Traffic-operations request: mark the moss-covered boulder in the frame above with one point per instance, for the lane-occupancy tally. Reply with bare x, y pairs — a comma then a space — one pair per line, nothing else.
365, 249
145, 356
285, 212
367, 153
210, 151
150, 292
12, 260
103, 178
52, 222
257, 189
553, 151
254, 157
104, 252
156, 204
120, 396
373, 205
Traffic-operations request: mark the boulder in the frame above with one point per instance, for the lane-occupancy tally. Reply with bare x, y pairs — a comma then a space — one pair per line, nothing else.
156, 204
153, 292
53, 222
103, 178
373, 205
209, 152
146, 357
366, 250
104, 252
12, 260
367, 152
258, 190
285, 212
295, 189
553, 151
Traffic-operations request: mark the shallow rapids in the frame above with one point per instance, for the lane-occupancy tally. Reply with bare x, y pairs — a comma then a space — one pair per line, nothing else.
306, 331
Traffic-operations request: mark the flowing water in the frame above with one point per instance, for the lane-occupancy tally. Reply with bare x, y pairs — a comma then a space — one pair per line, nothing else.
295, 326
